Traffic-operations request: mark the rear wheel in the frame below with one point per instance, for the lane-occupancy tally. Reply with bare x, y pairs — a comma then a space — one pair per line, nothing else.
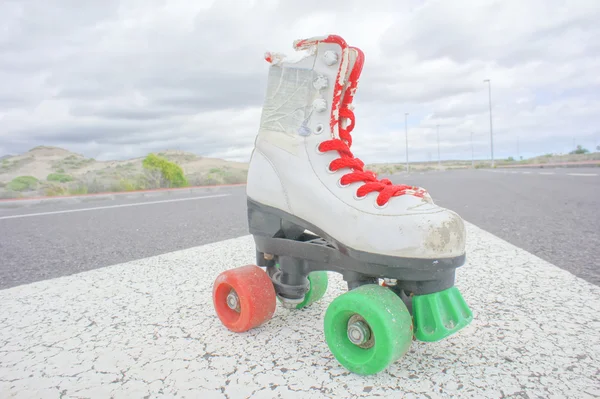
318, 286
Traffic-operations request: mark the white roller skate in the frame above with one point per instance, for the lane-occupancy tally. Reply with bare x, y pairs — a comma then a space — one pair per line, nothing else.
312, 208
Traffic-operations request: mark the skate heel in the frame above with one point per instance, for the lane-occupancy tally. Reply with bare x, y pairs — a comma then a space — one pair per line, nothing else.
264, 221
439, 315
261, 222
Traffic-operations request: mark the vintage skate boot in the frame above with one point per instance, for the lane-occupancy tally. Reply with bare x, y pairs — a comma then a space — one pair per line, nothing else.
312, 208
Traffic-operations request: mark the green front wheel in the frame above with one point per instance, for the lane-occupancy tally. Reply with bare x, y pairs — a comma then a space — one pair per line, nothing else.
368, 328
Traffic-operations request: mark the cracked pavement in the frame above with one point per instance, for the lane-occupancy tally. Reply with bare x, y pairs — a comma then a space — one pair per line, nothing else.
147, 329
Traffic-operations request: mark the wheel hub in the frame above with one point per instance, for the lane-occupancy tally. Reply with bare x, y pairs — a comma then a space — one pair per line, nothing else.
359, 332
233, 301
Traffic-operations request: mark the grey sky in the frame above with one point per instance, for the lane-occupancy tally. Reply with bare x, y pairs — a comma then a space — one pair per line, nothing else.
114, 79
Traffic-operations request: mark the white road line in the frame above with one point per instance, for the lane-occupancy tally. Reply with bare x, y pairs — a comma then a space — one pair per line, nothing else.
582, 174
546, 173
526, 173
111, 206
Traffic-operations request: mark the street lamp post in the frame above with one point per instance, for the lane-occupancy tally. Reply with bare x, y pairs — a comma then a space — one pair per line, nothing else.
406, 136
472, 153
491, 129
438, 140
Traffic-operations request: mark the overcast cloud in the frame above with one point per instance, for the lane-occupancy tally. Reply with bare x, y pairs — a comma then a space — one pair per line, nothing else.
114, 79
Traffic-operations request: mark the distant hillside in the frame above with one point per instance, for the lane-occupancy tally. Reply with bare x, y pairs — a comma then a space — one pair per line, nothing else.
552, 159
52, 171
47, 170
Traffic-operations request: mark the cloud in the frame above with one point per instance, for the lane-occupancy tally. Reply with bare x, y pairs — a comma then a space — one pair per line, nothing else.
116, 79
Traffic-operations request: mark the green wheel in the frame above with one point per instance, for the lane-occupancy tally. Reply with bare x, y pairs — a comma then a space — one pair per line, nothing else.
318, 287
368, 328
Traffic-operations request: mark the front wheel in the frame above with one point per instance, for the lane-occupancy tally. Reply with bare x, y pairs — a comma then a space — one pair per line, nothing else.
368, 328
244, 298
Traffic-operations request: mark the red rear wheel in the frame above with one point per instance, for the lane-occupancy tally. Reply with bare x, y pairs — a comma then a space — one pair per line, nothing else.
244, 298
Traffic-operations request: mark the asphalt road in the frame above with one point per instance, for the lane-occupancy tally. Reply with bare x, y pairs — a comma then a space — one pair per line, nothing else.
49, 245
554, 215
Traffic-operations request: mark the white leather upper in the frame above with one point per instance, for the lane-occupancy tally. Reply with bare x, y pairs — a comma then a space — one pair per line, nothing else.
287, 171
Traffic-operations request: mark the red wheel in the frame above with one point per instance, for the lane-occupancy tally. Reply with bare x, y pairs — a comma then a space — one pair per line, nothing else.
244, 298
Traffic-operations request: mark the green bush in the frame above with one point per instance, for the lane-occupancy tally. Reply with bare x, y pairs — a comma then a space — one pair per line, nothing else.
22, 183
579, 150
79, 189
129, 185
55, 190
59, 177
94, 186
171, 172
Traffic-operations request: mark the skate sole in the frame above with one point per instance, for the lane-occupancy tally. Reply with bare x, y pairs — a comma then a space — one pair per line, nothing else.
280, 234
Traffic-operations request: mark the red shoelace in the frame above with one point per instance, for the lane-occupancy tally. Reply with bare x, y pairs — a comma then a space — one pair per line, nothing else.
342, 145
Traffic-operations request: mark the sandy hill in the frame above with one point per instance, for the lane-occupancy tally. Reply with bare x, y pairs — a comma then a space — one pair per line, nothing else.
39, 162
48, 170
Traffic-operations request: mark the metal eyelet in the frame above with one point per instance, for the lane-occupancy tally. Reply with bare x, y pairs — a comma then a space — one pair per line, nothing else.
330, 57
320, 82
319, 129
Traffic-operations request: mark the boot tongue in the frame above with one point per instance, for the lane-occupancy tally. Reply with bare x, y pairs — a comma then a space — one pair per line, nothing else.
355, 65
352, 56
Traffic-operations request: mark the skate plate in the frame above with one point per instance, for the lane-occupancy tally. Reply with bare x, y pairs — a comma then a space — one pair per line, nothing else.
293, 240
